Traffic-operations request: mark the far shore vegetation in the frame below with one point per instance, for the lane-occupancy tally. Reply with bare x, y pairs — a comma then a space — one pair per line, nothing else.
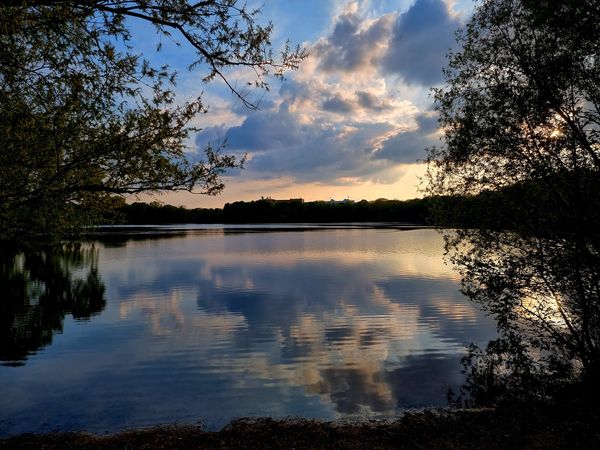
267, 210
502, 209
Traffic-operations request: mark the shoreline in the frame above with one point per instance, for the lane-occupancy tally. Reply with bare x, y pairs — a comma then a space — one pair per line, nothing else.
529, 426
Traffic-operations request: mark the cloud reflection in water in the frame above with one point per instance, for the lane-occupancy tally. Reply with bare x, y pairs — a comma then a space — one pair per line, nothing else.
327, 323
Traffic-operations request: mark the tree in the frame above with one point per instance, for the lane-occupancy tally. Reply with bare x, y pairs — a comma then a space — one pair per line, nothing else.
521, 114
84, 117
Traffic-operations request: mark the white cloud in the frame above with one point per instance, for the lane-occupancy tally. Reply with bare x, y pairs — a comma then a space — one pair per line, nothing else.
357, 110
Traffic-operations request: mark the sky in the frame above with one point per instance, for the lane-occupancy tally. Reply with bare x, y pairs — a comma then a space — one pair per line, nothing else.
352, 122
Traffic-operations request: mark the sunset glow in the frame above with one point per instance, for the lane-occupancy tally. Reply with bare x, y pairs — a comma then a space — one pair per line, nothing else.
355, 119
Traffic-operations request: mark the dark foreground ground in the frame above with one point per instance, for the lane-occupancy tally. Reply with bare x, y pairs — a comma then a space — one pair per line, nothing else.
530, 427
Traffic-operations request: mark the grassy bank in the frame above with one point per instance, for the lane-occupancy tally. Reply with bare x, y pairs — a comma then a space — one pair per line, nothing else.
524, 426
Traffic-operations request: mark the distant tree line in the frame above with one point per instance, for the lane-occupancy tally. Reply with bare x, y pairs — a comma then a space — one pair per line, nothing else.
415, 211
156, 213
381, 210
508, 208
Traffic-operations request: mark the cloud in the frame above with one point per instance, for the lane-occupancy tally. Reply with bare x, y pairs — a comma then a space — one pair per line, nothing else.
355, 44
319, 133
279, 145
336, 141
371, 102
214, 136
264, 130
340, 120
361, 101
338, 104
412, 45
421, 38
409, 146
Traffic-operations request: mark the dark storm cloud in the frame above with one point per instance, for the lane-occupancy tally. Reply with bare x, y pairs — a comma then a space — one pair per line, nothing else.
420, 40
409, 146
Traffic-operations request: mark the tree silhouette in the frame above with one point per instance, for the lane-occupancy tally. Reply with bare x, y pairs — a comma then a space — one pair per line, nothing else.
521, 117
85, 117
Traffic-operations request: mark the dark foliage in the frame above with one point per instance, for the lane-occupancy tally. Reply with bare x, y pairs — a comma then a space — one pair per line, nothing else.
521, 115
411, 211
39, 288
416, 211
85, 117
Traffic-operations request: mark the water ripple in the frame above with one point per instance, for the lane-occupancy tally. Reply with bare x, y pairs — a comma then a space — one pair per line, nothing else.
212, 326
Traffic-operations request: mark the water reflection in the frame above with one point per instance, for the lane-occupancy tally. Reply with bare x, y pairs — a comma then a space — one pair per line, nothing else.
38, 289
212, 326
543, 292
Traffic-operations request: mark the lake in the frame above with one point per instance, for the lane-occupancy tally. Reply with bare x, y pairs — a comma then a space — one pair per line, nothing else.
207, 324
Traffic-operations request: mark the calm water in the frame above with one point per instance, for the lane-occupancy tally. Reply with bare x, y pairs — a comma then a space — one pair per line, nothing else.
209, 325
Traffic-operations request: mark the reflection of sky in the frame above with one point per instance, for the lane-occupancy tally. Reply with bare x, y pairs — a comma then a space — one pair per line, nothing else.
323, 324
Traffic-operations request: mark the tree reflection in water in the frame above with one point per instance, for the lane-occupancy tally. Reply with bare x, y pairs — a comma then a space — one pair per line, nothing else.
545, 295
38, 288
